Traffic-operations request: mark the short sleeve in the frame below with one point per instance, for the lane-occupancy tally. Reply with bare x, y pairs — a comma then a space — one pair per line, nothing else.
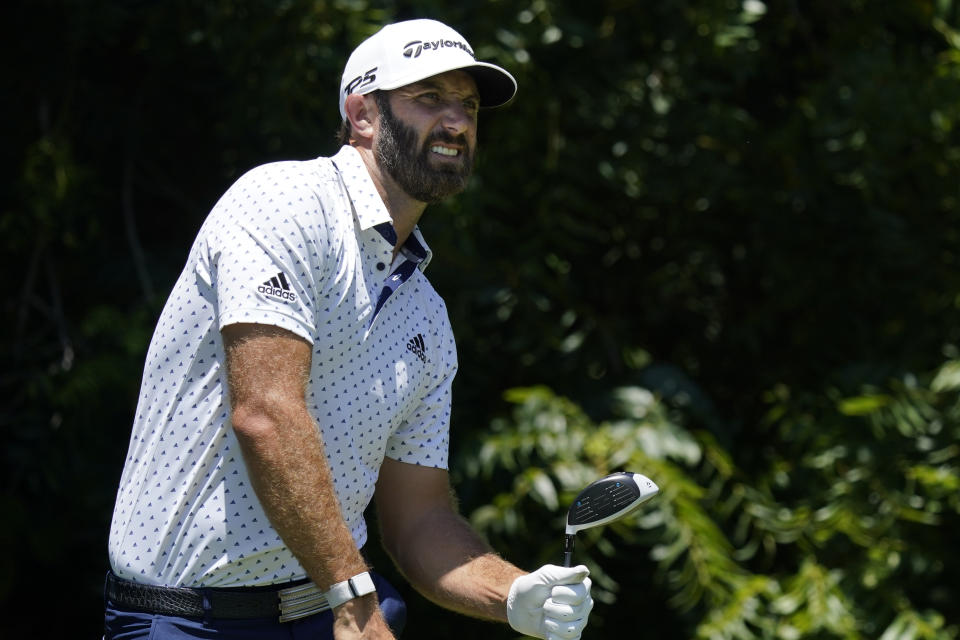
266, 246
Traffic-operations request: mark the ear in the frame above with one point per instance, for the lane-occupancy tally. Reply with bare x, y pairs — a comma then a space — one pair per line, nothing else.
361, 111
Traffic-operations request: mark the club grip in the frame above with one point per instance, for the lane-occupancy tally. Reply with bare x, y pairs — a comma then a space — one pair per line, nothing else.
568, 542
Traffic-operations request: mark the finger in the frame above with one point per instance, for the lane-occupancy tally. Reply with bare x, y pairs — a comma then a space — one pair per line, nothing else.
561, 612
565, 612
571, 593
552, 574
569, 630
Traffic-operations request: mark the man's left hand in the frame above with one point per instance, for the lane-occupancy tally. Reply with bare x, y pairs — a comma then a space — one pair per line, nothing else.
552, 603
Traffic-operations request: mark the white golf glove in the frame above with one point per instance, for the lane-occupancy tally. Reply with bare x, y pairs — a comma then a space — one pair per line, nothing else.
552, 603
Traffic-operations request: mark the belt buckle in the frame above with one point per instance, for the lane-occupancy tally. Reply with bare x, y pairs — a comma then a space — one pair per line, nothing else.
301, 601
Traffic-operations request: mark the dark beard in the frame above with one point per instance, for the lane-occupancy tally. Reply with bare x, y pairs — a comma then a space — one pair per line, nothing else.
396, 152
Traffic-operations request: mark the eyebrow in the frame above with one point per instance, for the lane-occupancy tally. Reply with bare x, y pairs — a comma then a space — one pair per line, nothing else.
433, 84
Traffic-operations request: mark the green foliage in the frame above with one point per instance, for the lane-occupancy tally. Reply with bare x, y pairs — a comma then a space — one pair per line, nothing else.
829, 540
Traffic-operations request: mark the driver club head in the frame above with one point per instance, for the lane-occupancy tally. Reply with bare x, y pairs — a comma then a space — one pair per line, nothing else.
608, 499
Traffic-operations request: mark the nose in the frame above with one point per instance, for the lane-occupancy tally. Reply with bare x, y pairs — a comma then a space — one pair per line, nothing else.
456, 118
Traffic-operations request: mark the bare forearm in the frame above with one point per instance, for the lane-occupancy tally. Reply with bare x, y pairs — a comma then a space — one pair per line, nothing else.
267, 370
290, 475
447, 561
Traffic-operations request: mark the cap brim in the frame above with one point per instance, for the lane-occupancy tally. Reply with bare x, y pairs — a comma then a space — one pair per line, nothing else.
495, 85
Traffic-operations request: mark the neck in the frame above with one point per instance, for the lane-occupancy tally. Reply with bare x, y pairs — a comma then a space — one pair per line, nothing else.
404, 210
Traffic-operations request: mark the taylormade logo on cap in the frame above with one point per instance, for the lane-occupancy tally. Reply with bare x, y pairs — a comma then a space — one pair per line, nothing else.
406, 52
413, 49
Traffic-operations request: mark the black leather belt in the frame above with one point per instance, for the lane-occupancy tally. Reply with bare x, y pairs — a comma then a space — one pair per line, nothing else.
289, 601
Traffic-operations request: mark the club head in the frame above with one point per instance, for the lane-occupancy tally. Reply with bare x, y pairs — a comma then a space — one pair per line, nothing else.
608, 499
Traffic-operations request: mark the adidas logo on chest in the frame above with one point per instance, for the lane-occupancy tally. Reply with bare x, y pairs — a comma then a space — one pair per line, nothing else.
418, 347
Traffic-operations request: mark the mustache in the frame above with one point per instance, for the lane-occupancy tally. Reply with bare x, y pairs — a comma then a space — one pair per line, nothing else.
449, 138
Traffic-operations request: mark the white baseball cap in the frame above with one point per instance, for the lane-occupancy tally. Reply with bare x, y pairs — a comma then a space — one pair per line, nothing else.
405, 52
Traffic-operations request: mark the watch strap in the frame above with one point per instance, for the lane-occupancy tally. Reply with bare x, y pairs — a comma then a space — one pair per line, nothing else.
359, 585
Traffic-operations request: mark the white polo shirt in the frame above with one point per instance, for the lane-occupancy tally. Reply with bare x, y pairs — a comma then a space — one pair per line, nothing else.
306, 246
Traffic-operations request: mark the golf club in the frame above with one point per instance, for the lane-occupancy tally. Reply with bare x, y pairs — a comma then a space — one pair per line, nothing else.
605, 500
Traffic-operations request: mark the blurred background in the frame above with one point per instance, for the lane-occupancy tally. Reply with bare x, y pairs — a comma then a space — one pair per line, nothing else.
714, 241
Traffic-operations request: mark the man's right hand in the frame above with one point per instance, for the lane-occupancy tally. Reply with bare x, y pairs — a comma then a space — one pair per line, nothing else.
360, 619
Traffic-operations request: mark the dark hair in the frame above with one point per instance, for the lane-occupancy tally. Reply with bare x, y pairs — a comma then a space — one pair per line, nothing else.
345, 130
343, 133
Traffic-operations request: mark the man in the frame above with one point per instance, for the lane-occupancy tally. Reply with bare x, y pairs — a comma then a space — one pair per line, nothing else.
302, 367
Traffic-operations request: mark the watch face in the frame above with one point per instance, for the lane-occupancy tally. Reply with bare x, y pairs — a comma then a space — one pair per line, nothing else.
359, 585
362, 584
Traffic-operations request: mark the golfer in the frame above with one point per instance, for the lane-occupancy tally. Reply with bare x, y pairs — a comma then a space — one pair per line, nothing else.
301, 369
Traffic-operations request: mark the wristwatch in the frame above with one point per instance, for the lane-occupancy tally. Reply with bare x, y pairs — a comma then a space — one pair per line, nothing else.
359, 585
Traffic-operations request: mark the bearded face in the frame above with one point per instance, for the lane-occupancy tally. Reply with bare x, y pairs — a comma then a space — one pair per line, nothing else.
410, 164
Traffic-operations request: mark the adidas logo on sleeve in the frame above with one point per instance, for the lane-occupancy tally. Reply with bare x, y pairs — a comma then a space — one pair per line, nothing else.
278, 287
